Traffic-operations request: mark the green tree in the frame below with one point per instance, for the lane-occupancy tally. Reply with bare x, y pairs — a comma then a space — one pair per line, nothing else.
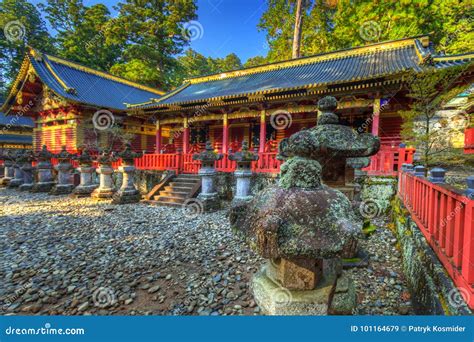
332, 25
421, 127
81, 32
255, 61
228, 63
20, 25
152, 32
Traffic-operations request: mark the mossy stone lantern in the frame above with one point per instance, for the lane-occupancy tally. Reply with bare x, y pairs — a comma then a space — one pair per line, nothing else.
64, 167
208, 195
127, 193
86, 170
303, 226
45, 171
243, 172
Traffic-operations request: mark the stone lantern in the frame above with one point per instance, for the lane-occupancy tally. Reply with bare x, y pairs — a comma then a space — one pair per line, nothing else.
243, 173
18, 173
127, 193
9, 172
64, 167
28, 169
106, 187
208, 195
45, 171
342, 143
303, 226
86, 170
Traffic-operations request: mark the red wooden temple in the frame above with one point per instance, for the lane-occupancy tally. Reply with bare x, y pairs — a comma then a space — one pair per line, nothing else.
265, 104
261, 105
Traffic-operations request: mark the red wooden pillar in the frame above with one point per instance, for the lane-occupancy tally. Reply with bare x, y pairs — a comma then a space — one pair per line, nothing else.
376, 117
263, 132
225, 134
158, 137
185, 136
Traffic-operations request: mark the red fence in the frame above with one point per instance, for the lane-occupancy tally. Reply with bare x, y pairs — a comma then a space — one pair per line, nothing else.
389, 160
446, 219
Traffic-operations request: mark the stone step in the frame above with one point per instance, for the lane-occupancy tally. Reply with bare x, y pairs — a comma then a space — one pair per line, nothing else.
178, 188
188, 178
181, 194
187, 184
168, 204
178, 200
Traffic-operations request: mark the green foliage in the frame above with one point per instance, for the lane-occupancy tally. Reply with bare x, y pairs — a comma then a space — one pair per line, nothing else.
348, 23
255, 61
81, 32
193, 64
430, 91
368, 228
22, 23
151, 33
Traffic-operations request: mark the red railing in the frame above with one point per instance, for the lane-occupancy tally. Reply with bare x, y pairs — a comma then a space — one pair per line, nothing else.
469, 140
446, 219
389, 160
169, 161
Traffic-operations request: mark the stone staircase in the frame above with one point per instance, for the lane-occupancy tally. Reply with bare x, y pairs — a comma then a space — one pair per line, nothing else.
178, 190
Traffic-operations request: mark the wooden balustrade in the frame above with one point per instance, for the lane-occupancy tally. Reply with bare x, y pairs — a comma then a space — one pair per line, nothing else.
389, 160
446, 218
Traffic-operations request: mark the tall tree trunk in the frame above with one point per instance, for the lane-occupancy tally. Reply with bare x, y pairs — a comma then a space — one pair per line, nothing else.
298, 27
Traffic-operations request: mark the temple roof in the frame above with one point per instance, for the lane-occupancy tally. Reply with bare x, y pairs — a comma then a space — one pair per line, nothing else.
80, 84
15, 121
355, 65
16, 139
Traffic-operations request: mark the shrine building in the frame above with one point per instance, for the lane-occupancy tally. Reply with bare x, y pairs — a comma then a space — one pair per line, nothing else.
61, 98
267, 103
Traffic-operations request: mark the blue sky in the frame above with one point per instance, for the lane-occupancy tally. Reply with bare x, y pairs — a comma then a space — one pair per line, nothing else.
227, 26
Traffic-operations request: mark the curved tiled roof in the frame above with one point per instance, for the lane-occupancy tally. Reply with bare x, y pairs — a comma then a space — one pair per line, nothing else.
16, 139
15, 120
345, 66
84, 85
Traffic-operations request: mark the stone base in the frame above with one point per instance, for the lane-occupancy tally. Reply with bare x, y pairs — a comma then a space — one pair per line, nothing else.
241, 200
43, 187
209, 202
274, 299
60, 189
103, 193
83, 191
15, 183
26, 187
125, 197
344, 299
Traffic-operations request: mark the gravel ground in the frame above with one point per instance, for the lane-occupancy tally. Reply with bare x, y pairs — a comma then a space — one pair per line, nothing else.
79, 256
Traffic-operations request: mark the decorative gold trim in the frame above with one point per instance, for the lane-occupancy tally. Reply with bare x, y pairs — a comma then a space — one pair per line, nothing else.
63, 84
453, 58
